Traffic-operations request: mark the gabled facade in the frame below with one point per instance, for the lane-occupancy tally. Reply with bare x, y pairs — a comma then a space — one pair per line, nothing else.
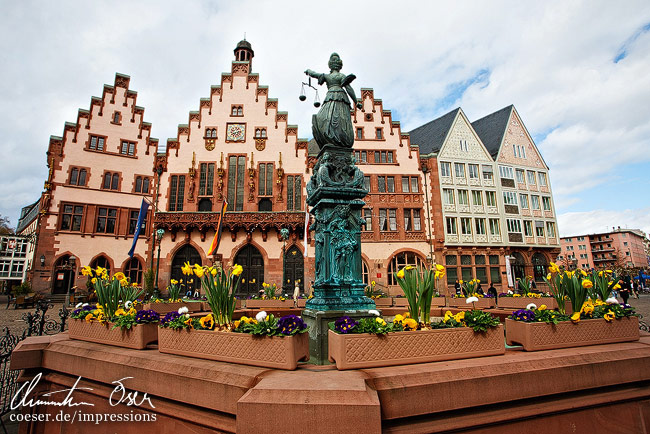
99, 171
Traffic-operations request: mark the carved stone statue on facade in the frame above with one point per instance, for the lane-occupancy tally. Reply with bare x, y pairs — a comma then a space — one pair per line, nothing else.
332, 124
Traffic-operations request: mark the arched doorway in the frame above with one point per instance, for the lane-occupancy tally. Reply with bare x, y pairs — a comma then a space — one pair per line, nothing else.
294, 270
253, 275
400, 261
187, 253
63, 275
518, 266
540, 264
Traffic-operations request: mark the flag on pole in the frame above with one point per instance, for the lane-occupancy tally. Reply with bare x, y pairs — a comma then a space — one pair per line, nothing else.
214, 245
306, 229
143, 214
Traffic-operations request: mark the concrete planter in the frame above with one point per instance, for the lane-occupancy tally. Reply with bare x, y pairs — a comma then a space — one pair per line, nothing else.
268, 304
205, 306
482, 303
271, 352
536, 336
400, 302
355, 351
438, 302
301, 302
383, 301
164, 308
137, 337
522, 302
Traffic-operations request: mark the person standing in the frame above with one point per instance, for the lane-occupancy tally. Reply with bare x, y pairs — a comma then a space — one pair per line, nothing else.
492, 291
457, 287
625, 290
635, 289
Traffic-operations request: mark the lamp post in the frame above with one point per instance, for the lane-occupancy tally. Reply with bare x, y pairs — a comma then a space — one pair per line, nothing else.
71, 266
284, 235
159, 171
425, 171
159, 236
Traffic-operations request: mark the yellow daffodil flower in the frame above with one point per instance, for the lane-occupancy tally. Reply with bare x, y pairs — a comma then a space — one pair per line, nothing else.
198, 271
373, 283
440, 268
583, 272
587, 284
553, 268
93, 280
87, 271
174, 282
400, 274
575, 317
119, 276
187, 269
124, 282
237, 270
608, 271
213, 271
460, 281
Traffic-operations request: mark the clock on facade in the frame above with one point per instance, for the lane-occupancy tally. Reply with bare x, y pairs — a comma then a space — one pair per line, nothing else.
236, 132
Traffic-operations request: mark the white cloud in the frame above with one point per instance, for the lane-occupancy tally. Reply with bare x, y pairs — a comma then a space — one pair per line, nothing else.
589, 222
553, 60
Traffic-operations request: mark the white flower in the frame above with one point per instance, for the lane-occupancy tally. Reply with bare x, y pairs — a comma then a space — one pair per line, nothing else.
84, 305
471, 300
611, 300
531, 306
373, 312
510, 292
128, 305
79, 305
187, 315
261, 316
183, 310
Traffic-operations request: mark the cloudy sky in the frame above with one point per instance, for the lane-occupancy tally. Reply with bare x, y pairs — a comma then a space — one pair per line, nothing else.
577, 71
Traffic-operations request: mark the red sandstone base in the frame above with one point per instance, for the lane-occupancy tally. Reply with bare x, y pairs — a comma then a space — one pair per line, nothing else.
535, 336
137, 337
354, 351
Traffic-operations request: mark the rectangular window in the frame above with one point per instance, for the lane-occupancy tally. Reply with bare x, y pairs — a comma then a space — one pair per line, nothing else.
359, 133
459, 170
451, 227
96, 143
506, 172
392, 219
542, 179
480, 226
477, 198
71, 217
490, 198
366, 182
390, 184
294, 193
534, 200
383, 219
389, 156
514, 225
206, 179
378, 134
106, 220
495, 227
472, 169
546, 203
539, 229
236, 169
528, 228
381, 184
77, 176
466, 226
445, 168
480, 274
479, 259
494, 259
531, 177
405, 185
364, 156
127, 148
466, 273
451, 260
133, 223
177, 193
463, 198
520, 176
510, 198
265, 180
523, 200
412, 220
452, 275
448, 196
550, 229
487, 172
367, 216
495, 275
415, 184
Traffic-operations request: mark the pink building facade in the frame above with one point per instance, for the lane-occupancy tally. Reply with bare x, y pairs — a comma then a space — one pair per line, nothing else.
619, 248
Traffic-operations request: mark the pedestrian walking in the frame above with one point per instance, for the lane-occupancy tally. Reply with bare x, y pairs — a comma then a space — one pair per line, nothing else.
625, 290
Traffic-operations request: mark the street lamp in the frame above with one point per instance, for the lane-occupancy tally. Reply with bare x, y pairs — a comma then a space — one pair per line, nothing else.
159, 236
284, 235
425, 171
159, 171
71, 266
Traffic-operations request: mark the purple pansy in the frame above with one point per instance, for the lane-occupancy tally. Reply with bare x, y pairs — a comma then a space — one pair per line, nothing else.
171, 316
345, 324
291, 324
523, 315
146, 316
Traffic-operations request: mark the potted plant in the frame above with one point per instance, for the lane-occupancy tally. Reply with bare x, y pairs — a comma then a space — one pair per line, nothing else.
263, 341
269, 298
512, 300
381, 299
420, 287
372, 342
598, 322
175, 300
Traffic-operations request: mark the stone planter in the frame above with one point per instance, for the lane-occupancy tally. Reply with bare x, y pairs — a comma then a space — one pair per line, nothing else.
522, 302
383, 301
354, 351
301, 303
164, 308
482, 303
400, 302
269, 304
137, 338
535, 336
438, 302
271, 352
205, 306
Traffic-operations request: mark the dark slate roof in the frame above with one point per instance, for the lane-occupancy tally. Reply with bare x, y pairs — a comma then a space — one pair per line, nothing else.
244, 44
492, 128
312, 148
430, 136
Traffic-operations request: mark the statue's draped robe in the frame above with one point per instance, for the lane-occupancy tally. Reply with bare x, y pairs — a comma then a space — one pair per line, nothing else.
333, 124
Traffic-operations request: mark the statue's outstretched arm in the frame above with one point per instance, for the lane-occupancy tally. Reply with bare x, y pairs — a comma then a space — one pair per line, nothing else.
311, 73
350, 92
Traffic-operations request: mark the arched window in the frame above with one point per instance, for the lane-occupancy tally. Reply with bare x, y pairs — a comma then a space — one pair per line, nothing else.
518, 266
101, 261
214, 133
234, 111
133, 271
263, 133
115, 181
365, 272
240, 111
138, 184
540, 265
116, 117
107, 181
400, 261
205, 204
258, 133
74, 176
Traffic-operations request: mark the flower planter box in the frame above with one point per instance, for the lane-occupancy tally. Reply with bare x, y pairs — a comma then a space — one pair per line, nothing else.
535, 336
268, 304
205, 306
438, 302
522, 302
400, 302
482, 303
271, 352
354, 351
301, 302
163, 308
383, 301
137, 337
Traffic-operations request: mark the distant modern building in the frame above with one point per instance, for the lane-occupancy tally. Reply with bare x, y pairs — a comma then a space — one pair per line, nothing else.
17, 250
618, 248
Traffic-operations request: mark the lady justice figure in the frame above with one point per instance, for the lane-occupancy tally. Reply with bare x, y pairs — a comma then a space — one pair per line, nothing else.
333, 124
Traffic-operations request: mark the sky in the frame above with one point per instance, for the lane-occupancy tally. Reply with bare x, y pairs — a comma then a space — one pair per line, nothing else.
578, 73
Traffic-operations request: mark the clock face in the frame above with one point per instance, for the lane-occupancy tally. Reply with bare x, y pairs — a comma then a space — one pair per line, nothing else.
236, 132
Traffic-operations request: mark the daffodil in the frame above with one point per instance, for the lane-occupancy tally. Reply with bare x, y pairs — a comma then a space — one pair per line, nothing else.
213, 271
174, 282
87, 271
400, 274
93, 280
583, 272
119, 275
440, 267
237, 270
187, 269
124, 282
587, 284
198, 271
553, 268
548, 276
575, 317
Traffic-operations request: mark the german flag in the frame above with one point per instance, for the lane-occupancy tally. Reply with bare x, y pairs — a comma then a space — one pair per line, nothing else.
214, 245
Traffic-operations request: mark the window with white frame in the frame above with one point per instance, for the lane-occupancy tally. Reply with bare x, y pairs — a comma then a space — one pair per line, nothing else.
546, 203
448, 196
539, 229
477, 198
520, 176
550, 229
510, 198
506, 172
542, 179
487, 172
514, 225
463, 198
491, 198
463, 145
534, 200
472, 169
495, 227
523, 200
459, 170
445, 168
531, 177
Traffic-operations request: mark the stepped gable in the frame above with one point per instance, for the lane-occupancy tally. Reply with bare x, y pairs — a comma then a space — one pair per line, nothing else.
431, 136
492, 128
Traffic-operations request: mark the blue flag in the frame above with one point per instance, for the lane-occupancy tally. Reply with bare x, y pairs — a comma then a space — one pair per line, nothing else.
143, 214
